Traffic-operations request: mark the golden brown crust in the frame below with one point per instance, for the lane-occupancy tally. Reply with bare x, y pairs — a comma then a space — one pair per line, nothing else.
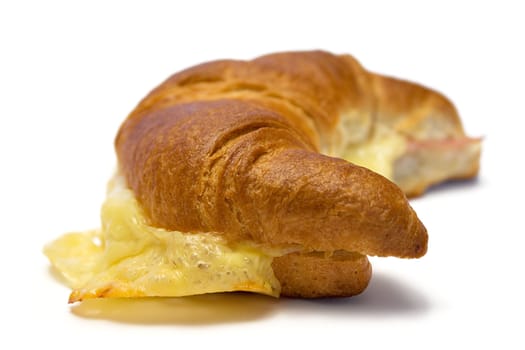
415, 110
233, 147
312, 88
314, 275
241, 170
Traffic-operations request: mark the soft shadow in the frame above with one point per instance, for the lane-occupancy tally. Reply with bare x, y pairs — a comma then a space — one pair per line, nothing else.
385, 296
454, 185
192, 310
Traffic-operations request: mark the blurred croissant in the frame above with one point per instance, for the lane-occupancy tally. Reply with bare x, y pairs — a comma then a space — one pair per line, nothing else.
305, 158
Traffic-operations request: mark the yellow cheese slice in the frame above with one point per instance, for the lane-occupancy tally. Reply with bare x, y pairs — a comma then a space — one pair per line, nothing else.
129, 258
379, 153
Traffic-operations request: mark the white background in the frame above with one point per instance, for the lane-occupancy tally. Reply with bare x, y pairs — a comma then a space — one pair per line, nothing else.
69, 74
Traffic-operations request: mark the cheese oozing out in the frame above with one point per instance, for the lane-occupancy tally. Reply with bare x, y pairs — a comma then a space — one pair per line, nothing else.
414, 164
126, 257
379, 152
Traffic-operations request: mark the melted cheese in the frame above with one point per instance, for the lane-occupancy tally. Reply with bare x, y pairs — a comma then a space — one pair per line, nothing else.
128, 258
379, 152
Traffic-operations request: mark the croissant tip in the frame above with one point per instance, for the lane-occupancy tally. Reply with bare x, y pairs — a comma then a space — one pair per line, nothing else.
420, 245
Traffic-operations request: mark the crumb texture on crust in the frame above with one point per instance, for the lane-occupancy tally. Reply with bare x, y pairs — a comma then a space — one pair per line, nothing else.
318, 275
253, 178
250, 150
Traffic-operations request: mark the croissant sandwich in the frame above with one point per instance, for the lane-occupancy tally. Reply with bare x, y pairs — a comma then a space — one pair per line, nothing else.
278, 175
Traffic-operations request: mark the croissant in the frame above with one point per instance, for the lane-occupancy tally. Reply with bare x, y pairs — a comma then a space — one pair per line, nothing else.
278, 175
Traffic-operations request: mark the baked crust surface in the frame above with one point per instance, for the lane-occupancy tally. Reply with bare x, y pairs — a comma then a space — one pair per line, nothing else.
250, 150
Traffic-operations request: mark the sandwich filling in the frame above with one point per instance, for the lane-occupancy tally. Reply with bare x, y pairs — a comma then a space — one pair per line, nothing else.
379, 152
126, 257
415, 164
